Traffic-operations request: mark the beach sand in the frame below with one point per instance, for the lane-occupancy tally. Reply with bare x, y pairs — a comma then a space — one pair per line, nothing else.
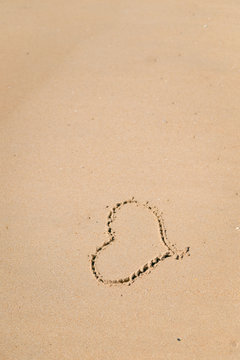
102, 101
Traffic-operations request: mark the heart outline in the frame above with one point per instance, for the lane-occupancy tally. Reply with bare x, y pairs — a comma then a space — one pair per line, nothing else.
151, 264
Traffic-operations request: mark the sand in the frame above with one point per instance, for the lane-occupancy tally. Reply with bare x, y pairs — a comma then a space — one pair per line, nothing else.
102, 101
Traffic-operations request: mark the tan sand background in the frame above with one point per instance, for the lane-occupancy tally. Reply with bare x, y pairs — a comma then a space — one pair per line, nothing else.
102, 101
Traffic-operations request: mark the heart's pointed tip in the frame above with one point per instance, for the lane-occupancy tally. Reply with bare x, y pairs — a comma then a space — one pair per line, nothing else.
181, 253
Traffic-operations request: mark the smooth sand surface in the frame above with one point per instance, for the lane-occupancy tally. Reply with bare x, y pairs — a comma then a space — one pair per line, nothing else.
102, 101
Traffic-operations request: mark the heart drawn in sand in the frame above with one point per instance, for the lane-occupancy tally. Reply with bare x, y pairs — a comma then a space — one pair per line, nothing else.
171, 249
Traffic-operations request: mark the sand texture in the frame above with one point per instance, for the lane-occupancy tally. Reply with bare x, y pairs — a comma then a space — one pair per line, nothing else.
120, 180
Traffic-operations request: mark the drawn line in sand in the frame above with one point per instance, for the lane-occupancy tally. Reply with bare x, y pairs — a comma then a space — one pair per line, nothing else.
151, 264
